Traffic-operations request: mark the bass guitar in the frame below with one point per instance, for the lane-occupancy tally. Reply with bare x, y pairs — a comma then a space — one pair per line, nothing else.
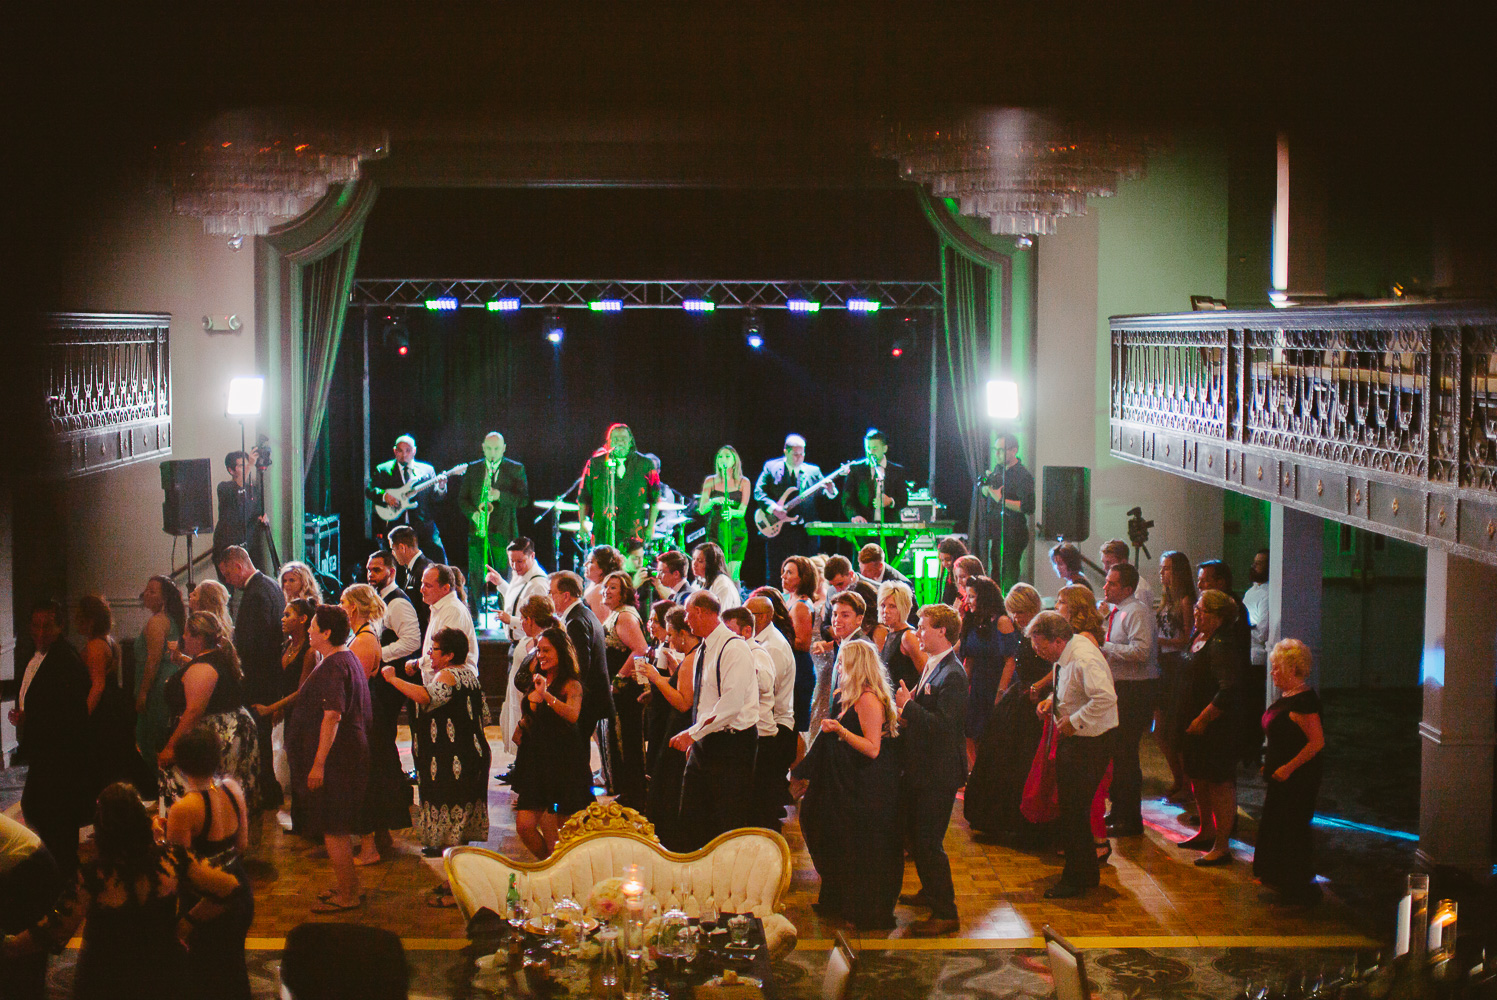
770, 524
405, 495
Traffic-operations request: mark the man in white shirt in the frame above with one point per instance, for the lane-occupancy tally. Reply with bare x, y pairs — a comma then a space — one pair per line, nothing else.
1086, 719
439, 591
776, 715
723, 740
527, 579
401, 630
1134, 660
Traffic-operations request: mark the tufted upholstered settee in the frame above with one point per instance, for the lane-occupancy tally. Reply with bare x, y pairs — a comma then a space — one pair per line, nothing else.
741, 871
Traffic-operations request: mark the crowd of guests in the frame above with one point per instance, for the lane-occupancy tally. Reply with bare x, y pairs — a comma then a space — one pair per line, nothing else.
885, 713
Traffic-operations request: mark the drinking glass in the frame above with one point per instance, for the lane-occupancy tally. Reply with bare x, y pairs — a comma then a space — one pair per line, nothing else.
708, 917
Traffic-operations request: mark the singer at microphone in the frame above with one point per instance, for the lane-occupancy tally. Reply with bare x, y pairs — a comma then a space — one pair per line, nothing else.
619, 493
876, 488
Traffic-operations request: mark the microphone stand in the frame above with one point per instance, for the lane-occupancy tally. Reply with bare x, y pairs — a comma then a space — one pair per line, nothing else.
554, 513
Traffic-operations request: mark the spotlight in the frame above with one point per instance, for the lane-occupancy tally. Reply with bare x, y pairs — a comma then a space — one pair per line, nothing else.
751, 331
900, 346
245, 395
446, 303
863, 305
1003, 400
503, 305
396, 335
699, 305
802, 306
402, 344
555, 329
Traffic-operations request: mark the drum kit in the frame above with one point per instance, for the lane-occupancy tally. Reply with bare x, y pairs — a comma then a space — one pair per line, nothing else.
676, 516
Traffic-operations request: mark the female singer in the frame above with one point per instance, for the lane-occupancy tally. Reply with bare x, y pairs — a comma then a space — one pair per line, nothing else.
725, 498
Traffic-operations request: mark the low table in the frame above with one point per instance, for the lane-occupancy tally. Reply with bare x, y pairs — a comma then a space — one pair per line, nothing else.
579, 978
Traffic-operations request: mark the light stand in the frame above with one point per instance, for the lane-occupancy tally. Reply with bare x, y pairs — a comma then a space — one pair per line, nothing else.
1002, 398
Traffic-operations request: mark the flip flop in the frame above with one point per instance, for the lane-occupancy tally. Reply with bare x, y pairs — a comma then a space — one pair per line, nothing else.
328, 906
441, 901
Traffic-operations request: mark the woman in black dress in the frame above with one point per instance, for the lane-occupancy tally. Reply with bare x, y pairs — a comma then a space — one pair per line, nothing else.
849, 814
387, 795
551, 776
798, 585
111, 727
1283, 858
1210, 745
995, 788
1173, 620
129, 896
297, 663
209, 691
671, 682
903, 658
212, 823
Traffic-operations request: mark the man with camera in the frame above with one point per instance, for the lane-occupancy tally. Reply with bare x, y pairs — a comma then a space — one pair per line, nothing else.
241, 507
1008, 494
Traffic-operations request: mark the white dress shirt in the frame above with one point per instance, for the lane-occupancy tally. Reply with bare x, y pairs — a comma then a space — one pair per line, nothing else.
520, 589
449, 612
930, 669
1130, 648
1083, 688
726, 592
783, 656
735, 704
764, 672
29, 676
1256, 600
400, 618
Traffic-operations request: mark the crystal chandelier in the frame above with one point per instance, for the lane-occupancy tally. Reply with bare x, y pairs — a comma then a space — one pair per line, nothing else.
1020, 170
248, 172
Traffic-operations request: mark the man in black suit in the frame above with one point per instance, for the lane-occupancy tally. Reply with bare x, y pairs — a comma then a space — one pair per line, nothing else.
840, 577
241, 511
410, 565
779, 475
586, 633
876, 489
400, 471
491, 499
52, 715
932, 718
257, 640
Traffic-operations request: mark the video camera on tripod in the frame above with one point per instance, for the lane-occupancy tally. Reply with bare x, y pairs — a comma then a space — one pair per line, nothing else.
1138, 532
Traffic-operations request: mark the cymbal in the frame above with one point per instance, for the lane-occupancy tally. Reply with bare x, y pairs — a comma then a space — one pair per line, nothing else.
666, 524
570, 526
555, 504
670, 505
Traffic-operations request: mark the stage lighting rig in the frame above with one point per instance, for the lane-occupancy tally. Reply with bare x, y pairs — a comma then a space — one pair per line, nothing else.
397, 336
555, 328
752, 333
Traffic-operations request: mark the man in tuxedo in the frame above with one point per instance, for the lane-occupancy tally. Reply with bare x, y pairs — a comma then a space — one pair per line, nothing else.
400, 471
410, 566
876, 489
935, 764
241, 511
586, 633
491, 500
779, 475
257, 640
1085, 709
669, 582
51, 715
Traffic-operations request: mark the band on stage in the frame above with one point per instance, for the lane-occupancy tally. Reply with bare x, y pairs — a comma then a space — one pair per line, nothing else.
620, 501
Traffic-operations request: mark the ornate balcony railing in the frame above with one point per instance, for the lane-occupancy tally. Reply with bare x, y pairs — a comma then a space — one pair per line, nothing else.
108, 389
1380, 416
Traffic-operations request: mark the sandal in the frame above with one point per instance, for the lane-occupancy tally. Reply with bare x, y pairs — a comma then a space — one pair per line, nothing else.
1104, 851
328, 906
441, 900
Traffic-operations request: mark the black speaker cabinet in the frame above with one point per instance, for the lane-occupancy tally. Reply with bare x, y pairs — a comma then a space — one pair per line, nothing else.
1067, 512
188, 507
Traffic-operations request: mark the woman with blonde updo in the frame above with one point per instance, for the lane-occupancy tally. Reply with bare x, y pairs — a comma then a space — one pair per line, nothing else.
1283, 858
212, 597
849, 814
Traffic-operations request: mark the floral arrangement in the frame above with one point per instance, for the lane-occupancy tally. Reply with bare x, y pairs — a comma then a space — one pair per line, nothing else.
606, 901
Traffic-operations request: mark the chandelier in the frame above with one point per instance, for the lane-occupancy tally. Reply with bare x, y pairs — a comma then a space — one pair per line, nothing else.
248, 172
1020, 170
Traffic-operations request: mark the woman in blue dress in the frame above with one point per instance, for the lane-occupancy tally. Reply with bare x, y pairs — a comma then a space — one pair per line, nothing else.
987, 647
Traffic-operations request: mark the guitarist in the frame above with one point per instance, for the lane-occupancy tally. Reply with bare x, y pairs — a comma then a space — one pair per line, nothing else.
402, 470
491, 499
792, 472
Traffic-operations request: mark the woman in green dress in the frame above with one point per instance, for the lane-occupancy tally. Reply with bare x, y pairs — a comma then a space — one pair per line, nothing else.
725, 498
153, 668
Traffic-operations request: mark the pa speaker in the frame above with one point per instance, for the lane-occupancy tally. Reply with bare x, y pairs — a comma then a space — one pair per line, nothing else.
189, 496
1068, 502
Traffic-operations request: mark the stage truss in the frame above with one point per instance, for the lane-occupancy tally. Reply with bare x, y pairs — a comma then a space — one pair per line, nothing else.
545, 293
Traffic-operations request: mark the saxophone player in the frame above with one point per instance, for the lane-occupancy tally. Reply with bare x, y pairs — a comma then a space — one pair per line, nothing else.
491, 500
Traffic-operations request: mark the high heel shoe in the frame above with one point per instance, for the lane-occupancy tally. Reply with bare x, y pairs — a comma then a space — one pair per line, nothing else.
1104, 851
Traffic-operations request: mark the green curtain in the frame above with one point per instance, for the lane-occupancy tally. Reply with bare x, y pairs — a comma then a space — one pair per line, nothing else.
326, 284
968, 331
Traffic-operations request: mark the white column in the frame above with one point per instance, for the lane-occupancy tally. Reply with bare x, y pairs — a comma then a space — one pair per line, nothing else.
1294, 579
1455, 788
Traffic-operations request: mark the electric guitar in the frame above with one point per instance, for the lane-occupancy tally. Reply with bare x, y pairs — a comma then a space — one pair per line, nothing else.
405, 495
769, 523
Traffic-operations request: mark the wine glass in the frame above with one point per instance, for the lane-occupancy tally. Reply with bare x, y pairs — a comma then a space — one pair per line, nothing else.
709, 915
517, 915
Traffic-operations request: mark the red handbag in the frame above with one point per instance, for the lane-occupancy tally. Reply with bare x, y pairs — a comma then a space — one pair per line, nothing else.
1041, 802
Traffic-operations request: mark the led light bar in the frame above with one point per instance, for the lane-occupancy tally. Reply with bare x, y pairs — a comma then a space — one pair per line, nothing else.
863, 305
699, 305
446, 303
606, 305
503, 305
802, 306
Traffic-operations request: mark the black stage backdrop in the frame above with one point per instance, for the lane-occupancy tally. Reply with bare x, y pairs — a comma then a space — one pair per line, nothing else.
686, 384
